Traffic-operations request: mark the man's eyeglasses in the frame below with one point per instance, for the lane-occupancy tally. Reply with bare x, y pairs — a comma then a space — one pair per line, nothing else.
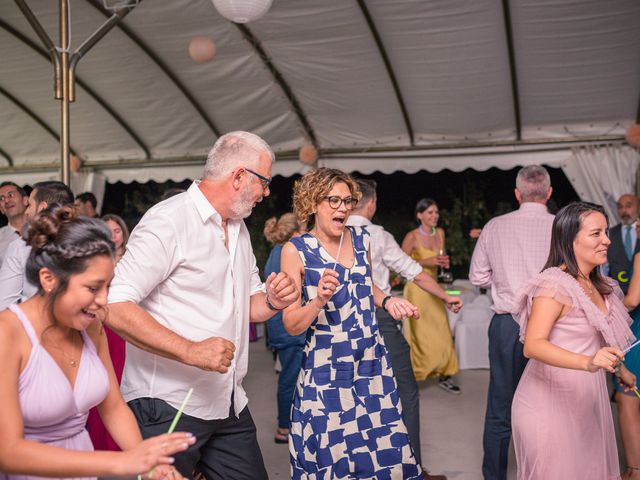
266, 181
335, 202
12, 194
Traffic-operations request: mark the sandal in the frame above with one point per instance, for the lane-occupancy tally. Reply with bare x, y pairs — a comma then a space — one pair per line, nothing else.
281, 436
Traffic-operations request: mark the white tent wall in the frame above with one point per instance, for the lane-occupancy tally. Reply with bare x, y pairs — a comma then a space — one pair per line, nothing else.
601, 174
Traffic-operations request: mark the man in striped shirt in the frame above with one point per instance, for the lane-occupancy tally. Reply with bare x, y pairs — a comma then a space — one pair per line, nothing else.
511, 249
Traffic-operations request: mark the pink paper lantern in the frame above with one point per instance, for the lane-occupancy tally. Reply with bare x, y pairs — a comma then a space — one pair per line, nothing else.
308, 154
75, 163
202, 49
633, 135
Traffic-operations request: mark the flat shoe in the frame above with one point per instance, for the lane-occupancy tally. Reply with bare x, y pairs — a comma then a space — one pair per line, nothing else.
281, 436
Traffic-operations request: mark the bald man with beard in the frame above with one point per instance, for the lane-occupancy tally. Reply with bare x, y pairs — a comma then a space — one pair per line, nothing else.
624, 241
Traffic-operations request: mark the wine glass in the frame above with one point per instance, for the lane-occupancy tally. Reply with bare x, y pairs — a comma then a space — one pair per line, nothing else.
444, 275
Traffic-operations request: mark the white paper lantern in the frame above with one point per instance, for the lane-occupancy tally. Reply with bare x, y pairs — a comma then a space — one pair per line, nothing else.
242, 11
202, 49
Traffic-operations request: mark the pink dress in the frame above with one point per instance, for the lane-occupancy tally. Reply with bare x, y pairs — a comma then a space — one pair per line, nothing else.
54, 411
561, 418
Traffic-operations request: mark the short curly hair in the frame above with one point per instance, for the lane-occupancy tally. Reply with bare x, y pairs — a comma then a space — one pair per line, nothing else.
310, 190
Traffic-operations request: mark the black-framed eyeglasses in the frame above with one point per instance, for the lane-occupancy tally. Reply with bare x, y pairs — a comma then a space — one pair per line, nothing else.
266, 181
11, 194
335, 202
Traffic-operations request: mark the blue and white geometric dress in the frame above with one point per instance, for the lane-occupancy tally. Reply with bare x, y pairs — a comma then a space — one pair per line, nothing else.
346, 420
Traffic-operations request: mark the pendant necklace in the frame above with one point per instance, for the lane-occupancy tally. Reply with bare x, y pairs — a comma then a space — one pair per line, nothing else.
71, 359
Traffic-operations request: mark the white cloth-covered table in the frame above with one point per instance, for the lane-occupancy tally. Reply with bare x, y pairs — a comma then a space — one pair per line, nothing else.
471, 332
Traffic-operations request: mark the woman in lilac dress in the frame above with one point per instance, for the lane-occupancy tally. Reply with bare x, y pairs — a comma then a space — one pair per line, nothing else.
56, 366
574, 328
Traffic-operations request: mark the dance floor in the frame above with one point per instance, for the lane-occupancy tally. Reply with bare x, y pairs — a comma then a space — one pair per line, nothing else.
451, 424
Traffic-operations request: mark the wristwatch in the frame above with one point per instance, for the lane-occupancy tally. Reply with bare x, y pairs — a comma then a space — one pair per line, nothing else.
384, 302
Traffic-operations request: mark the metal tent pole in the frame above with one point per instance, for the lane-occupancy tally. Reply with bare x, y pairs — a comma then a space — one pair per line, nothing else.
64, 67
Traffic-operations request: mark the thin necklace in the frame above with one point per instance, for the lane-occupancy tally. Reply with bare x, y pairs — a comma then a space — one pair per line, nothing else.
421, 230
589, 289
70, 358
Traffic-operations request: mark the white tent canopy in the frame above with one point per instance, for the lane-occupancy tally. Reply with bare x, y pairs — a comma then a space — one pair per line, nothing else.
374, 84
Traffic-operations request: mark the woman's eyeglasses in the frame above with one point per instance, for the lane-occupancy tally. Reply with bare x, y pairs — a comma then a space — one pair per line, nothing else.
266, 181
335, 202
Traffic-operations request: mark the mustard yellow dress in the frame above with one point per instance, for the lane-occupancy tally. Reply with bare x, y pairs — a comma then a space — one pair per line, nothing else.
432, 350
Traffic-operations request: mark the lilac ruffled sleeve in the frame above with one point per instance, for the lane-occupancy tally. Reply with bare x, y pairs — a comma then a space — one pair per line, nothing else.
556, 284
549, 283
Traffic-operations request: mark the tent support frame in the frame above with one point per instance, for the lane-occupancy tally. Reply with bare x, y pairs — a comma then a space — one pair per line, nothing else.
508, 25
387, 65
64, 67
90, 91
36, 118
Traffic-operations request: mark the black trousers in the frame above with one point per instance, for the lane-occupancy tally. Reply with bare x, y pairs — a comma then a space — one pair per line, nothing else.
403, 371
225, 449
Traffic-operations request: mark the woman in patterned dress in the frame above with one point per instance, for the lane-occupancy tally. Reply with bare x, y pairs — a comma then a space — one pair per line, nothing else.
346, 419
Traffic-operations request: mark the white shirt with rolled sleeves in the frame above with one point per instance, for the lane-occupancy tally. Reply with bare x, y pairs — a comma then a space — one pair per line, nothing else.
512, 248
177, 268
14, 286
386, 254
7, 235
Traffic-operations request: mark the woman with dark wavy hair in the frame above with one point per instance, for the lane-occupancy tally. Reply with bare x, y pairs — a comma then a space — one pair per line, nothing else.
574, 327
55, 364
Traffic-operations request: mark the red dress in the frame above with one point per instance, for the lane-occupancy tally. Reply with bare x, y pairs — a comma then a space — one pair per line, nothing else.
97, 431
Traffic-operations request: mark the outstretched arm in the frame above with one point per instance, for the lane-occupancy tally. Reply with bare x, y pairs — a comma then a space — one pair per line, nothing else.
397, 260
544, 313
19, 455
139, 328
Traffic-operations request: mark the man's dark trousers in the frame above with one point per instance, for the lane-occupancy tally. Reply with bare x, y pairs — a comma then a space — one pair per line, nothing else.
225, 449
507, 363
407, 386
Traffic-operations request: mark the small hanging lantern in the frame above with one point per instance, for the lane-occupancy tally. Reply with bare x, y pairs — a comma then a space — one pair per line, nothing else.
633, 135
75, 163
308, 154
242, 11
202, 49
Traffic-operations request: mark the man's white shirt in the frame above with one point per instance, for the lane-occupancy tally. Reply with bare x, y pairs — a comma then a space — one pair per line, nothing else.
178, 269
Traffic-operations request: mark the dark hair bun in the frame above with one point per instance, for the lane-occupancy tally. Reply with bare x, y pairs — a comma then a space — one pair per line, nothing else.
44, 227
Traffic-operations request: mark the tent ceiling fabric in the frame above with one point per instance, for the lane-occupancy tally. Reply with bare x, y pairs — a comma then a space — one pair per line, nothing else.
577, 66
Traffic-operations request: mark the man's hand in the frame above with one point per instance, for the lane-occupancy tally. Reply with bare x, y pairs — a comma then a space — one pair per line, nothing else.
281, 290
399, 308
213, 354
453, 303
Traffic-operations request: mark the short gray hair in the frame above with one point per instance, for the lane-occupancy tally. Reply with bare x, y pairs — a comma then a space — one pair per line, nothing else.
533, 183
234, 148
